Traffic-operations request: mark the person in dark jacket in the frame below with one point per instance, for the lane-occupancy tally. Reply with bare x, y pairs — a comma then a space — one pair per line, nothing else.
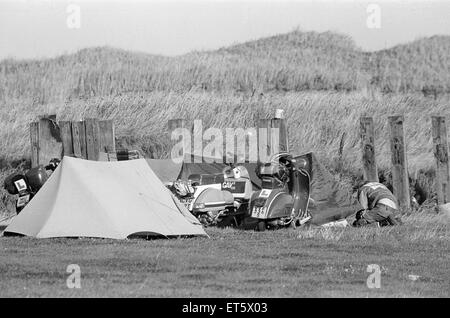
379, 205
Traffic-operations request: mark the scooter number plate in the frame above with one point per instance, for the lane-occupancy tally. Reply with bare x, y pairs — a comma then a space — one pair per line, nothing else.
231, 185
259, 212
22, 201
21, 185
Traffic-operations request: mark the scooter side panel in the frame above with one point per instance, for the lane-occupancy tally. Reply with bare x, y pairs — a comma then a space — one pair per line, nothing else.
269, 204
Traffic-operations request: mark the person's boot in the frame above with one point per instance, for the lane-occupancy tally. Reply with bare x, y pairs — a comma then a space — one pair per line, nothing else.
359, 223
393, 221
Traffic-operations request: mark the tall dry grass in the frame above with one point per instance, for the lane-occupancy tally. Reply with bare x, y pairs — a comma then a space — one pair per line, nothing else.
297, 61
318, 121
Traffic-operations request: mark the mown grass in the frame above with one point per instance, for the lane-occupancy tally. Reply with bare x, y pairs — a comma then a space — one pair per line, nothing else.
313, 262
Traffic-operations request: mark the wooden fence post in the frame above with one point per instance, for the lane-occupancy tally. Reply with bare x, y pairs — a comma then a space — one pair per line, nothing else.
34, 135
367, 133
280, 124
65, 128
92, 139
264, 140
400, 178
107, 136
272, 136
440, 150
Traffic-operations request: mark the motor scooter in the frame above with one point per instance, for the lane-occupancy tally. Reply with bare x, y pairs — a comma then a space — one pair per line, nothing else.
216, 199
25, 186
284, 197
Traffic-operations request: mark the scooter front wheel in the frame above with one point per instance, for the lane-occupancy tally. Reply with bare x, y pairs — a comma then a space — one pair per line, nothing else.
261, 227
294, 224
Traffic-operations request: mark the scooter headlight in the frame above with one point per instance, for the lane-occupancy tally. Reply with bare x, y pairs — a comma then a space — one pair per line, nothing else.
237, 173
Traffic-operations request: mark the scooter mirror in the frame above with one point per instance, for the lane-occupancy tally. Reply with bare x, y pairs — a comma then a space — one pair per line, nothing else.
302, 164
237, 173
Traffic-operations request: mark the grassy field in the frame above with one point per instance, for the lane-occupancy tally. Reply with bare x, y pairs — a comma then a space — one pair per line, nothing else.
315, 262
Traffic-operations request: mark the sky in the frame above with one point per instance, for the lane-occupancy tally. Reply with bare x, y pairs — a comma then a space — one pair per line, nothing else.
47, 28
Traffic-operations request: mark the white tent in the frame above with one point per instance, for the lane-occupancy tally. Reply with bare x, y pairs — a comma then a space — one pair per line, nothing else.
104, 199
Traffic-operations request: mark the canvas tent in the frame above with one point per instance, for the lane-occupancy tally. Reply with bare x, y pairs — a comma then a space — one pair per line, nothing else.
330, 201
104, 199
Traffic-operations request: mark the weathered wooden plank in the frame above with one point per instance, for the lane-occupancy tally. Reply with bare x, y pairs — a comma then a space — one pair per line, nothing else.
50, 144
264, 140
79, 139
107, 136
34, 136
272, 137
367, 133
440, 150
92, 138
66, 136
280, 137
399, 161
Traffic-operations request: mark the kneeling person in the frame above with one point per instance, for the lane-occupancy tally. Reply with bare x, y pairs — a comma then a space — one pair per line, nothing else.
379, 205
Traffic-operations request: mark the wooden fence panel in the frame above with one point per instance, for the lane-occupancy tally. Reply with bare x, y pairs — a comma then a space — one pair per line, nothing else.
81, 139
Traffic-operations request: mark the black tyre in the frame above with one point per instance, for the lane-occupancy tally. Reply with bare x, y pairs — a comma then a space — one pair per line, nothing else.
226, 221
261, 227
294, 224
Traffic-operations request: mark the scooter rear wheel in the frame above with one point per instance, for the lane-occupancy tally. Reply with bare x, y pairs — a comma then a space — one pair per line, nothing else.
261, 227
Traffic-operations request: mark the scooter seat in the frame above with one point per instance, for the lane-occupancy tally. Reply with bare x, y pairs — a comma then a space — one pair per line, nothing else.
205, 179
211, 178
